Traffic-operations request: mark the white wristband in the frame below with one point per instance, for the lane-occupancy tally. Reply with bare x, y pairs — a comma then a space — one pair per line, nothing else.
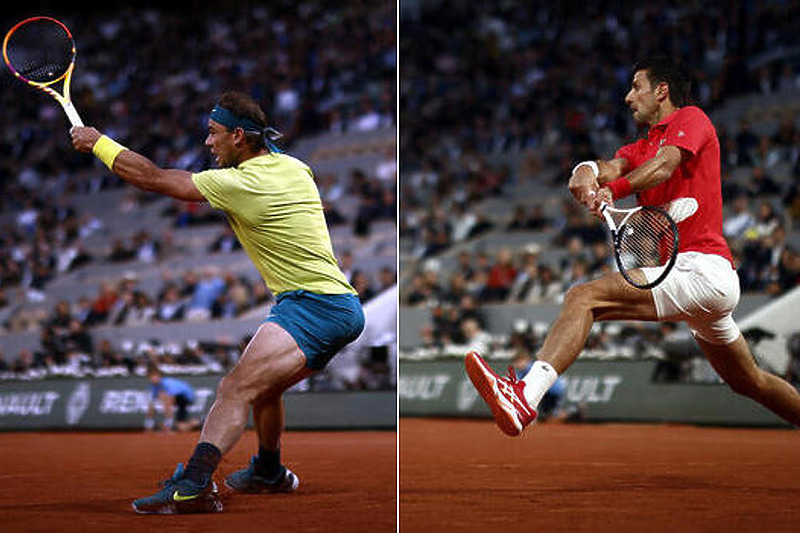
590, 164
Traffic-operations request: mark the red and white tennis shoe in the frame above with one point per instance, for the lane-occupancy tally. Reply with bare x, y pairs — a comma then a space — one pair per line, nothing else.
505, 398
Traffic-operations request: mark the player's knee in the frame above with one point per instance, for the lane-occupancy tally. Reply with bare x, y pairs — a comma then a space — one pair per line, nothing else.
580, 296
231, 388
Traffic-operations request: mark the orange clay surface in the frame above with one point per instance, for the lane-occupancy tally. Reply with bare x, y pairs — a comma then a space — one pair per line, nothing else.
54, 482
465, 475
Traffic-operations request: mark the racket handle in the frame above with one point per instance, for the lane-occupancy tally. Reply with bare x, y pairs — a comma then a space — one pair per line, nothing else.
72, 114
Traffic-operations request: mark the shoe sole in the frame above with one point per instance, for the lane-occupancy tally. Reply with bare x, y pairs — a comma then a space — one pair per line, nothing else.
505, 415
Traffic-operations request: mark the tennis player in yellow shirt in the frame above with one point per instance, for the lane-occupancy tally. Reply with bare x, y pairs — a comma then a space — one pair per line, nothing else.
274, 208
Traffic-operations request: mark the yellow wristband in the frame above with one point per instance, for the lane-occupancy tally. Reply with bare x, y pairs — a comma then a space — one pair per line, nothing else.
107, 149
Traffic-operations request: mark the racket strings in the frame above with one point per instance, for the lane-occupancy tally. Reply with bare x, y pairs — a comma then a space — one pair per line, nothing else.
646, 239
40, 51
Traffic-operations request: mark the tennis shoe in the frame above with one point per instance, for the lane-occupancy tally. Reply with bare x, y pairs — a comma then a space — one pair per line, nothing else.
248, 480
179, 495
503, 395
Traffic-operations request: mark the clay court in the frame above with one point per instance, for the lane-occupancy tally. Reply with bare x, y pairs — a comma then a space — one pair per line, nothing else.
464, 475
85, 482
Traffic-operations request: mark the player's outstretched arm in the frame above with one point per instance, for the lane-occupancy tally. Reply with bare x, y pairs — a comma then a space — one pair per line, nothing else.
135, 168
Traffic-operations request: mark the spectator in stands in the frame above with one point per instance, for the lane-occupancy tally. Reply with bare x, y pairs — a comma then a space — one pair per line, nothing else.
386, 168
519, 219
363, 285
601, 261
767, 155
146, 247
78, 345
420, 293
537, 220
740, 220
731, 188
106, 356
501, 276
746, 143
545, 289
25, 362
236, 299
120, 251
785, 275
792, 197
462, 223
793, 368
141, 311
4, 366
171, 307
386, 279
58, 329
761, 184
475, 338
346, 262
447, 324
526, 276
226, 242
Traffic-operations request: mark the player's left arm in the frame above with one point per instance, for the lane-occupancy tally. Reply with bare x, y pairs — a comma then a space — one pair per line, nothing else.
657, 169
138, 170
652, 172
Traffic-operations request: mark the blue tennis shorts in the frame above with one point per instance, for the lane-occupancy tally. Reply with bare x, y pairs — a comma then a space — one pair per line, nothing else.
320, 324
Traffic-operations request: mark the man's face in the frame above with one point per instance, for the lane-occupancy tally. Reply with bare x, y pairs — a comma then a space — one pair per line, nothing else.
643, 99
221, 142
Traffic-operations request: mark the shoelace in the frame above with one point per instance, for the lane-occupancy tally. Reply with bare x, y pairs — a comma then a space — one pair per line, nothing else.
169, 481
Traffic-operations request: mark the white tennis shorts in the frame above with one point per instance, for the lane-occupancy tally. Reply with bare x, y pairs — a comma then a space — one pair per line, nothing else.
701, 290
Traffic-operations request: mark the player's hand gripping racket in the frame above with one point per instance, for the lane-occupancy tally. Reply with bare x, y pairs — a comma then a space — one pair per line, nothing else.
41, 52
645, 236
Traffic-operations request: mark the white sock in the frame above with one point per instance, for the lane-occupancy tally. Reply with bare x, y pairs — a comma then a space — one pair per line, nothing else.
538, 381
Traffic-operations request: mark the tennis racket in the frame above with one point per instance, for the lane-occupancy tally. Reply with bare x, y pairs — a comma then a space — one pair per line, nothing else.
645, 236
41, 52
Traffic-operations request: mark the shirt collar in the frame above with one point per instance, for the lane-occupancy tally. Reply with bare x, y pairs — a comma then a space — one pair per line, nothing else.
666, 120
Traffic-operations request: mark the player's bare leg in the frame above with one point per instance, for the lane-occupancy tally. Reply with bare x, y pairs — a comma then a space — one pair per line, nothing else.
735, 364
271, 364
266, 473
513, 403
608, 298
268, 415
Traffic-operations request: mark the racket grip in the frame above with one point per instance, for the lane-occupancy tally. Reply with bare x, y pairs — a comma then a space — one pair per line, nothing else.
72, 114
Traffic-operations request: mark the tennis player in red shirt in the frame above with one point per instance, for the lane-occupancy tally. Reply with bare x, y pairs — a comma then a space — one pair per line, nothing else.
678, 159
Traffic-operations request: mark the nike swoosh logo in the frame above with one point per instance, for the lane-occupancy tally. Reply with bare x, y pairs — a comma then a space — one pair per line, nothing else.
176, 496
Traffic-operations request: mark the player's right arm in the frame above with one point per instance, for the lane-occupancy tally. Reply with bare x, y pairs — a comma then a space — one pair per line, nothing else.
135, 168
588, 176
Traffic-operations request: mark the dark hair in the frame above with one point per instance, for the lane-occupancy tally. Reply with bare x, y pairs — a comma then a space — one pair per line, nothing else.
244, 105
662, 69
153, 368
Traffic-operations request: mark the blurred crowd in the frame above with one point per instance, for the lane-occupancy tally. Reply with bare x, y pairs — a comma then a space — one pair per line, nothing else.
148, 76
524, 90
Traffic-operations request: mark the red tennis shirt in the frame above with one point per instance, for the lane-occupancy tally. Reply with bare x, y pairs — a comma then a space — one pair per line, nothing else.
697, 177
